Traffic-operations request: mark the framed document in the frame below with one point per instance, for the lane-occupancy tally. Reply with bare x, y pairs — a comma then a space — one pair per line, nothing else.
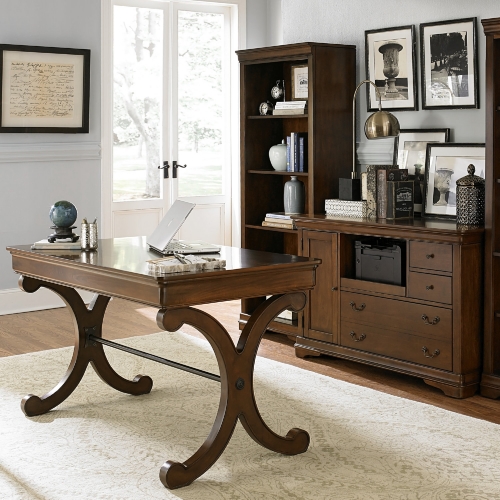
44, 89
300, 82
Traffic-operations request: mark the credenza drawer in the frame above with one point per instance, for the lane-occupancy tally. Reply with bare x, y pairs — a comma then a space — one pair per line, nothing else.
395, 344
433, 256
430, 287
420, 319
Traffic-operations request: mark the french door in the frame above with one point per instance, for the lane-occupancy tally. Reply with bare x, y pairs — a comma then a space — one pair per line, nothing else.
171, 117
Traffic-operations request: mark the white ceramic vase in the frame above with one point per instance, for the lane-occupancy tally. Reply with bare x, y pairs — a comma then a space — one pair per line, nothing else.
277, 155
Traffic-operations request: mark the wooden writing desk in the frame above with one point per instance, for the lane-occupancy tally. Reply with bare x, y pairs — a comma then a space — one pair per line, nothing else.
119, 269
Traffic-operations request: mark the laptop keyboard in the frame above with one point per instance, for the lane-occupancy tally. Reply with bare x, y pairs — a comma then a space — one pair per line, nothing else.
175, 246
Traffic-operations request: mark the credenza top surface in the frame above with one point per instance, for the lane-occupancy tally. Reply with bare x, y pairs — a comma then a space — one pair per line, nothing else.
416, 228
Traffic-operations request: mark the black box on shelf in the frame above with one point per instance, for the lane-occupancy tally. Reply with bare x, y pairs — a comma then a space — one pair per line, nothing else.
380, 260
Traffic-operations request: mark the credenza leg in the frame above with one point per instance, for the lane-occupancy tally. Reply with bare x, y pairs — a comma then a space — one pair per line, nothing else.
84, 319
237, 400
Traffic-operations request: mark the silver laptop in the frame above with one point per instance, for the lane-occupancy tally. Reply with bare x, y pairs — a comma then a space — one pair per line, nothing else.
161, 240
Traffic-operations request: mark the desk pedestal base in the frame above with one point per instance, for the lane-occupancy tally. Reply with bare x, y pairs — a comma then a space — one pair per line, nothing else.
236, 366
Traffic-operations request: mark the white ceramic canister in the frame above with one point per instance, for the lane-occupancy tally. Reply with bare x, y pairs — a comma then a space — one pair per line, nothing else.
277, 155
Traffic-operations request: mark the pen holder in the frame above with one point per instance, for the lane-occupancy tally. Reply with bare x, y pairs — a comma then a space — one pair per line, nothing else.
89, 235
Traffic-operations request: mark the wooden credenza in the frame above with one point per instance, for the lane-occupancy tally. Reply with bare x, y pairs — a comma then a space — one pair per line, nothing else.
430, 326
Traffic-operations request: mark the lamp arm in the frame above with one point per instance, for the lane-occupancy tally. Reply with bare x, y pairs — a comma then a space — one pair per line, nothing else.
379, 97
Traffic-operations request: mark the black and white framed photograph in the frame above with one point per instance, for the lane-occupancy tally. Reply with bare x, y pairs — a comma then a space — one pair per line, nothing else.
410, 152
448, 51
44, 89
300, 82
446, 163
390, 65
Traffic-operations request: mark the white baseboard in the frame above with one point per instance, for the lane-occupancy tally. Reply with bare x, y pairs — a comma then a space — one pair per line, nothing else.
14, 300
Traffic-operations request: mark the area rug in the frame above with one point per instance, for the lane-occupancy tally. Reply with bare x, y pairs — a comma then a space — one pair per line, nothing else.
101, 444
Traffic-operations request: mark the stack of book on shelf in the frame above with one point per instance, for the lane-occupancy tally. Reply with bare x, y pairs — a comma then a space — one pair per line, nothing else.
296, 152
280, 220
290, 108
395, 196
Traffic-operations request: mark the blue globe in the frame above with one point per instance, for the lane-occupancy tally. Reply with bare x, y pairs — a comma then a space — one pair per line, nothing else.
63, 213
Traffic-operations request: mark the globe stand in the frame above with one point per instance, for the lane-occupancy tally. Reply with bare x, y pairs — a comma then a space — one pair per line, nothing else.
63, 233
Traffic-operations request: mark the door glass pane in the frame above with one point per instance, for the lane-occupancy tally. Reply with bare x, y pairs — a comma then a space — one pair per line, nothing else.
200, 103
137, 89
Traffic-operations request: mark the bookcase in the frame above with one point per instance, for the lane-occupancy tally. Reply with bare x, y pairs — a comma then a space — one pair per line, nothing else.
328, 124
490, 381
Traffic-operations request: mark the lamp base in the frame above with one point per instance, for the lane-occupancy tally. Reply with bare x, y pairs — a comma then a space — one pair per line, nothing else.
350, 189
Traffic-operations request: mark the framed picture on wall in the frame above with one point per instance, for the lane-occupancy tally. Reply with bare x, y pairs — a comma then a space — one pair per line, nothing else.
449, 72
446, 163
44, 89
390, 64
410, 151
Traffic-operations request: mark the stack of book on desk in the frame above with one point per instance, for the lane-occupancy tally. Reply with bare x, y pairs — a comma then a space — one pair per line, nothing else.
279, 219
57, 245
290, 108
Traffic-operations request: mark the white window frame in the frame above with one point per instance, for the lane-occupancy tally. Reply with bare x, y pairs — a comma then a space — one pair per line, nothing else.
238, 42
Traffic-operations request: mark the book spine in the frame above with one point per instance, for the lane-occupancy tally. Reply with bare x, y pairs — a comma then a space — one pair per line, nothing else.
303, 153
364, 189
292, 151
399, 199
381, 194
288, 146
277, 224
297, 153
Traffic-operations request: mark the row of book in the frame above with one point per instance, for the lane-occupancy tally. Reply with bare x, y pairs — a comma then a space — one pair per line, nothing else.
386, 191
296, 152
279, 219
290, 108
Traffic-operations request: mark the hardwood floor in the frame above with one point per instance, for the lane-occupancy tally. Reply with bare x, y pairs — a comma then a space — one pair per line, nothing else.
40, 330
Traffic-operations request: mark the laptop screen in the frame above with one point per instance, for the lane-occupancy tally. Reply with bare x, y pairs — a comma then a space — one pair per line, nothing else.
169, 225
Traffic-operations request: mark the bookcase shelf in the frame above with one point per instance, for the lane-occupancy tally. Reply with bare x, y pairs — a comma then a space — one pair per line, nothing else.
277, 172
274, 117
269, 228
327, 123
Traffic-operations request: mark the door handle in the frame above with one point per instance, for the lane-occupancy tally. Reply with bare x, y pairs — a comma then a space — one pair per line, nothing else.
165, 168
175, 167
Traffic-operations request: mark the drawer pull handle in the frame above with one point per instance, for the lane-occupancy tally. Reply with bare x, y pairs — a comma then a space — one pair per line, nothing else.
360, 339
429, 256
433, 355
354, 308
334, 288
429, 287
435, 321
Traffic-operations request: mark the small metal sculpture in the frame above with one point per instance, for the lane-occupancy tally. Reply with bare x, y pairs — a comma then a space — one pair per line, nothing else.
63, 214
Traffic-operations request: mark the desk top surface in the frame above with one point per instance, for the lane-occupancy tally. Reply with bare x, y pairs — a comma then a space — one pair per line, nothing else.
131, 254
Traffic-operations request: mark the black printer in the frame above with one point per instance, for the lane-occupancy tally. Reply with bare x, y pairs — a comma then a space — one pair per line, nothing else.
380, 260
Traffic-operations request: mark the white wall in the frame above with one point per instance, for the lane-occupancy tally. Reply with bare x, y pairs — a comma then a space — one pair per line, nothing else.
338, 21
264, 23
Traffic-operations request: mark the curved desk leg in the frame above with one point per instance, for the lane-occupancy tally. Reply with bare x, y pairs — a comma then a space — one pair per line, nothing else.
83, 319
237, 400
